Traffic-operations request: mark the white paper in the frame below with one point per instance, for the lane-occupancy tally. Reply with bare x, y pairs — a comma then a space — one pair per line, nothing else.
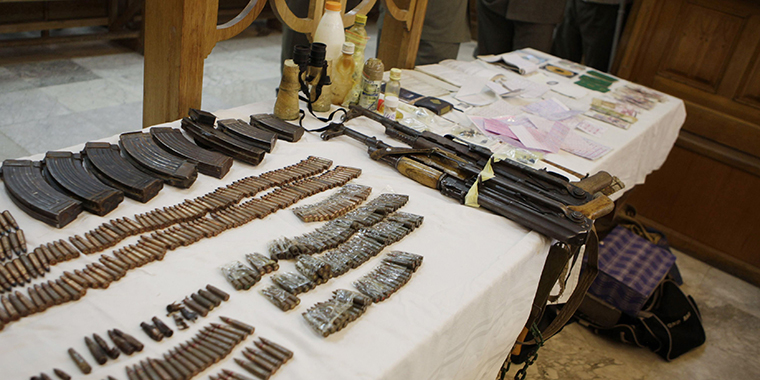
443, 73
472, 85
583, 147
593, 129
570, 90
530, 89
497, 108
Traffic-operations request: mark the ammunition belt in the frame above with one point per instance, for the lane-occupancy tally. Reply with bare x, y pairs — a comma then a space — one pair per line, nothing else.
65, 170
210, 345
104, 161
339, 230
338, 204
251, 134
209, 162
140, 149
28, 190
208, 137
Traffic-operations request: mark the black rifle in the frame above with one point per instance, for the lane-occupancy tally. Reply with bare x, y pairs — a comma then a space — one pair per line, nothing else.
534, 198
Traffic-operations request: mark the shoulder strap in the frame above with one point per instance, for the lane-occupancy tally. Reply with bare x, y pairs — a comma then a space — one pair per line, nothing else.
588, 275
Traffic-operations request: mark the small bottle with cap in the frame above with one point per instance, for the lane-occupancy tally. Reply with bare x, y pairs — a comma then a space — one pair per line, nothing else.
389, 107
393, 87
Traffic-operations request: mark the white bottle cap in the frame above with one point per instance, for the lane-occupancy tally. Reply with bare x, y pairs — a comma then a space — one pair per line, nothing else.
348, 48
391, 101
395, 74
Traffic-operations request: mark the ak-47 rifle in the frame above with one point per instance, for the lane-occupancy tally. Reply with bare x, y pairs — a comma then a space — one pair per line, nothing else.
543, 201
537, 199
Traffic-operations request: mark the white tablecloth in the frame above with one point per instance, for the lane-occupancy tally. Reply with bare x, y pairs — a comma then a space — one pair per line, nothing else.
456, 319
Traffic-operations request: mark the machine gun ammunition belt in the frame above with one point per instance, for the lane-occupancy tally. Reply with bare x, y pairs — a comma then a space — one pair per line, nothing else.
63, 170
209, 137
28, 189
104, 161
142, 150
248, 133
209, 162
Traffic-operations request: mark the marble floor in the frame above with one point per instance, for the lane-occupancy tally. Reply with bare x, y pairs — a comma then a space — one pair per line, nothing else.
69, 98
55, 103
730, 311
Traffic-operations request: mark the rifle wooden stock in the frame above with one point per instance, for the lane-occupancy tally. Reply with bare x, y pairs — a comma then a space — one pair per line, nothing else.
596, 208
595, 183
419, 172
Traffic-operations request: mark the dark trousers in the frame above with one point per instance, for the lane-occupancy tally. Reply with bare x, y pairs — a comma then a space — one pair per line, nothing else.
497, 34
586, 33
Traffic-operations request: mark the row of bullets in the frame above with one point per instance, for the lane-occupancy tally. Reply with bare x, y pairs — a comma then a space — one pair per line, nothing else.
210, 345
114, 231
242, 277
367, 243
12, 238
339, 230
61, 375
389, 276
333, 315
146, 250
199, 303
101, 351
344, 200
16, 305
262, 363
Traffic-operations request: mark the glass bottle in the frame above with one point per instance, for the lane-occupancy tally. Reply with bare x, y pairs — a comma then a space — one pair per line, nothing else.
393, 87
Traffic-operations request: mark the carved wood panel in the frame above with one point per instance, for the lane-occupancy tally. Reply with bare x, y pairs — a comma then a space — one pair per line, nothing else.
750, 91
701, 46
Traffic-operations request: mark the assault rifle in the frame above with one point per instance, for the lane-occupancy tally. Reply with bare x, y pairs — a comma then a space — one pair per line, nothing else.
537, 199
543, 201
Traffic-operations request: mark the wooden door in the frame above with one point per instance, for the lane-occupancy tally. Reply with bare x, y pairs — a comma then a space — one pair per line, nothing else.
707, 195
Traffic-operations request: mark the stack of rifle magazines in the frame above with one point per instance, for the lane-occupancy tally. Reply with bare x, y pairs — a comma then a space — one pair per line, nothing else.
146, 155
29, 191
98, 178
64, 170
200, 125
106, 163
209, 162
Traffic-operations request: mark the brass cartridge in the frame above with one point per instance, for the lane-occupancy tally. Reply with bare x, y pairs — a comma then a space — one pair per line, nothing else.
97, 352
80, 362
61, 375
112, 352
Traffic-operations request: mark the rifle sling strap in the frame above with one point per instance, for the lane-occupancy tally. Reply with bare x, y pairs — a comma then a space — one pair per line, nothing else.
550, 274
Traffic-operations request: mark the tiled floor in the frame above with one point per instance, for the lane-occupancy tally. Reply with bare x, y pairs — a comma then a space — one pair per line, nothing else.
53, 104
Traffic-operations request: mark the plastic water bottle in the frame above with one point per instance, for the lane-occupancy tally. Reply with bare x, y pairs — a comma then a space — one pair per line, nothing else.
330, 32
343, 70
358, 35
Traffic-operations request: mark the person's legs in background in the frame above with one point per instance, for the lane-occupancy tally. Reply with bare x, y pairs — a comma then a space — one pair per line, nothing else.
597, 27
434, 52
495, 32
532, 35
568, 43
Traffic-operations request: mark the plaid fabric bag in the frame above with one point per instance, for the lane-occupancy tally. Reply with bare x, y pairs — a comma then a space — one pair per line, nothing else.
630, 269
